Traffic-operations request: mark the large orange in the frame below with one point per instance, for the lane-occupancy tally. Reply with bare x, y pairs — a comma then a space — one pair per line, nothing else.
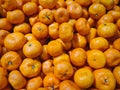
30, 67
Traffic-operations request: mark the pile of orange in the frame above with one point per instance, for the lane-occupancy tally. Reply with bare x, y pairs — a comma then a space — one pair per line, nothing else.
59, 44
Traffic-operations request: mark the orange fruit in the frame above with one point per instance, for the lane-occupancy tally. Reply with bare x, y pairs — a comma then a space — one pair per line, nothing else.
15, 16
106, 30
72, 22
42, 88
91, 22
47, 66
115, 14
3, 78
5, 25
68, 85
11, 60
108, 4
49, 4
61, 15
78, 57
104, 79
79, 41
32, 48
96, 13
3, 34
99, 43
50, 82
16, 79
118, 24
53, 30
63, 70
23, 28
96, 58
106, 18
84, 3
46, 16
54, 48
14, 41
30, 8
30, 36
85, 13
116, 73
116, 44
60, 3
40, 30
65, 32
33, 19
34, 83
82, 26
9, 4
84, 78
112, 57
75, 10
63, 57
30, 67
92, 34
44, 55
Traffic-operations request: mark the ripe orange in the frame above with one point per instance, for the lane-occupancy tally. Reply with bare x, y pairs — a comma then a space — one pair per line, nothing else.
14, 41
16, 79
34, 83
84, 78
116, 44
32, 48
104, 79
78, 57
50, 82
96, 58
46, 16
11, 60
30, 36
84, 3
30, 67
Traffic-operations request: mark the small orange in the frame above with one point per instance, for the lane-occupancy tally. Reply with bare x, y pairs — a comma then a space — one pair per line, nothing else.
5, 25
61, 15
112, 56
14, 41
30, 36
82, 26
99, 43
65, 32
84, 3
84, 78
92, 34
78, 57
96, 58
3, 34
85, 13
116, 73
75, 10
106, 30
79, 41
44, 55
11, 60
116, 44
34, 83
104, 79
33, 19
53, 30
68, 85
54, 48
46, 16
16, 79
23, 28
72, 22
118, 23
30, 67
32, 48
96, 13
63, 70
30, 8
40, 30
3, 78
63, 57
15, 16
47, 66
50, 82
49, 4
91, 22
60, 3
